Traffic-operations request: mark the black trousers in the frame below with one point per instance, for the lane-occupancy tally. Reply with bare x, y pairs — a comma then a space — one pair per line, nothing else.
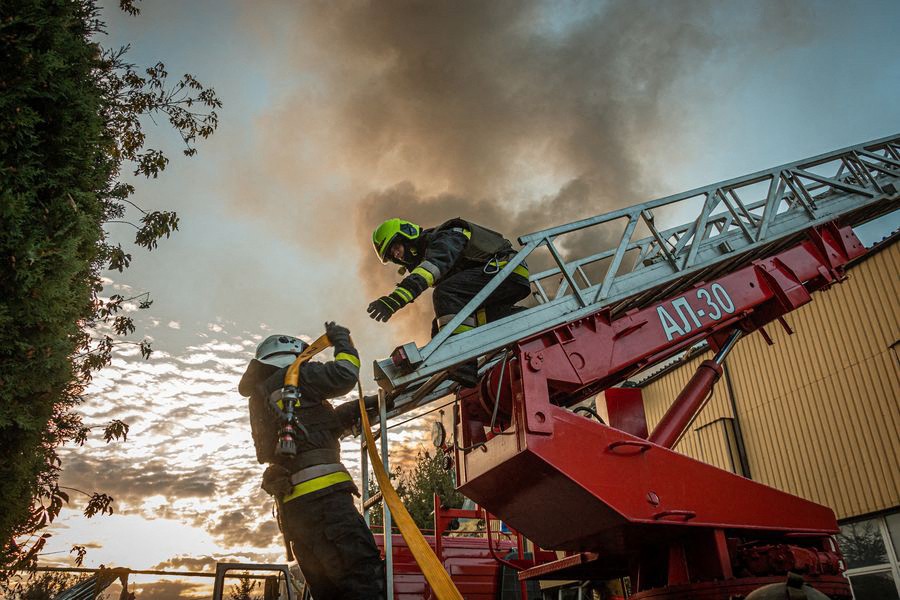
334, 547
452, 294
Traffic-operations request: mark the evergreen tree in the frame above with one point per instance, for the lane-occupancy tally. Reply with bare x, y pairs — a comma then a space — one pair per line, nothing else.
243, 590
70, 120
416, 486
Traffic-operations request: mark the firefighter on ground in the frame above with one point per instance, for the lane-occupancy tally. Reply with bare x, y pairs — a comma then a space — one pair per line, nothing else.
457, 258
321, 526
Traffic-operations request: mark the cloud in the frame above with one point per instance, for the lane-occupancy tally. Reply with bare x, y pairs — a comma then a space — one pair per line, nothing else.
189, 457
166, 590
130, 483
237, 528
188, 563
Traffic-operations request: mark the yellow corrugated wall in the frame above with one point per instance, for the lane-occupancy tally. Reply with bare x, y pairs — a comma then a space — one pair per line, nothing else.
819, 410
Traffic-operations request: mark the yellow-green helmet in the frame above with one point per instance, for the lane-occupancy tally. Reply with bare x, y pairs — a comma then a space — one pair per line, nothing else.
386, 233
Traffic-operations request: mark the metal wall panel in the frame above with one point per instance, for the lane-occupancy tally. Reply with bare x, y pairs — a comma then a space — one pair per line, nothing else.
819, 410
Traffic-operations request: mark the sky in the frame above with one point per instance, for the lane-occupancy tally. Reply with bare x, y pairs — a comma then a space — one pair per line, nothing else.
337, 115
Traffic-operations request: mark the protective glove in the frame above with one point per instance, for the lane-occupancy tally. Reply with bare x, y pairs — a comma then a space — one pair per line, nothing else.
384, 308
337, 333
277, 481
372, 402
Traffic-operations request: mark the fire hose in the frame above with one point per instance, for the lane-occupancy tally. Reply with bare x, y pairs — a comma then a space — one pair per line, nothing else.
434, 571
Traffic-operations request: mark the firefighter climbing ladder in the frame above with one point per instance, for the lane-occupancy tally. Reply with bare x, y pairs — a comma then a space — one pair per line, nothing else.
733, 223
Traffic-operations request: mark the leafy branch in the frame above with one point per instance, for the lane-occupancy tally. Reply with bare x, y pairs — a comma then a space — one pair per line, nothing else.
72, 117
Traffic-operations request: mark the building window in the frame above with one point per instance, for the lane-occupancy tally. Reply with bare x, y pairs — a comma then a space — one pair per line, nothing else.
871, 548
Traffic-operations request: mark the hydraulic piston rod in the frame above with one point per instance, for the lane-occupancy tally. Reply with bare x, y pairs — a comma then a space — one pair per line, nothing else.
693, 397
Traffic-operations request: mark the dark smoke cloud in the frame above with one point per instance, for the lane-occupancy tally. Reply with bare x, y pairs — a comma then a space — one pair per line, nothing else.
473, 95
516, 115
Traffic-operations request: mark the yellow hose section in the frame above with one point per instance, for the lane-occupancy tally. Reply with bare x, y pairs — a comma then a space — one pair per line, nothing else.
434, 571
292, 377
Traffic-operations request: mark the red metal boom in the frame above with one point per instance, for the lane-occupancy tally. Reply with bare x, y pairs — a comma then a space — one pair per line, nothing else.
639, 508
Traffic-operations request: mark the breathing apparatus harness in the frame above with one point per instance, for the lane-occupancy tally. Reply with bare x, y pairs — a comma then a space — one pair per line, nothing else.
286, 401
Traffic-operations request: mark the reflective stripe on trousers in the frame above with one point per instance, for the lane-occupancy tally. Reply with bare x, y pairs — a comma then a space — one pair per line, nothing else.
471, 322
316, 483
521, 270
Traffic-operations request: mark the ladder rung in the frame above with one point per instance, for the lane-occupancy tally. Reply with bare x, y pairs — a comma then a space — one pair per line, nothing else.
370, 502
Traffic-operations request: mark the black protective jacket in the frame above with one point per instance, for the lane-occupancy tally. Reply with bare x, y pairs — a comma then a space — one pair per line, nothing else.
452, 247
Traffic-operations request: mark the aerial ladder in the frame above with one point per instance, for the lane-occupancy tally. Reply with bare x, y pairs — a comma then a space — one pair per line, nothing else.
614, 496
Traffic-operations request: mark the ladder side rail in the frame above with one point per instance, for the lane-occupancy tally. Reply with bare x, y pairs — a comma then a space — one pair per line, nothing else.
776, 195
659, 237
885, 159
790, 222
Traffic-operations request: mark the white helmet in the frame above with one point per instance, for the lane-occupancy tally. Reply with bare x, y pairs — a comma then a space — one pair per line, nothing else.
275, 352
279, 350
